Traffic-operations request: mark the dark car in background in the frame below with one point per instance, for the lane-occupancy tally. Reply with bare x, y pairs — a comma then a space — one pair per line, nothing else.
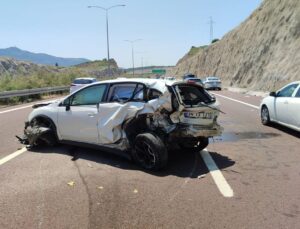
194, 80
189, 75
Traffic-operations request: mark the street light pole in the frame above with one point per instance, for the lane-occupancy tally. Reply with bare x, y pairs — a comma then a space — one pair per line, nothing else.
107, 34
132, 52
107, 41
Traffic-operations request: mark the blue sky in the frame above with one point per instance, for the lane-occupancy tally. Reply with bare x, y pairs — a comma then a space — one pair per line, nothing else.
168, 28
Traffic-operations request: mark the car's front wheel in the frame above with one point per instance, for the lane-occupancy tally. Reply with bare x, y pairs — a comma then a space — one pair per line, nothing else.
265, 116
150, 152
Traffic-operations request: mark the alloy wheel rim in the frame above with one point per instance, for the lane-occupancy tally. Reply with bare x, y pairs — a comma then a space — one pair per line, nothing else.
145, 154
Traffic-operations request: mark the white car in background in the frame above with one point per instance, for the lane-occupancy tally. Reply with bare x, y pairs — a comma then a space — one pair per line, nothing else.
212, 82
81, 82
283, 107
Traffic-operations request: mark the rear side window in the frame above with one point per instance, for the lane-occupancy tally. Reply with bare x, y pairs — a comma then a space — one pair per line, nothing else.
193, 95
154, 94
124, 92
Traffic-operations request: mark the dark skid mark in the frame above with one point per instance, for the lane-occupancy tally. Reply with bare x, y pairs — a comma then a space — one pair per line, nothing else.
232, 137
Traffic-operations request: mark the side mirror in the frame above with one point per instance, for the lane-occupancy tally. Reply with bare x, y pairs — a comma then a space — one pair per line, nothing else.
68, 107
273, 94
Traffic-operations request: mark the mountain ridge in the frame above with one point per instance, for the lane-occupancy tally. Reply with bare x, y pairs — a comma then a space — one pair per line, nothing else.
40, 58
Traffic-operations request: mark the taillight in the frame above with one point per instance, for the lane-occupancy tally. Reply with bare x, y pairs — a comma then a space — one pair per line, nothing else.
191, 81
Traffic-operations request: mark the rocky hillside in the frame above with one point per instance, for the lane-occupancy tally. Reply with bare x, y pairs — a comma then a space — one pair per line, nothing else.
99, 68
262, 53
16, 68
17, 75
12, 67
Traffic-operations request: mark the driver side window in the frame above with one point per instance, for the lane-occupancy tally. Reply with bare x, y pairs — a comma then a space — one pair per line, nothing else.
89, 96
287, 91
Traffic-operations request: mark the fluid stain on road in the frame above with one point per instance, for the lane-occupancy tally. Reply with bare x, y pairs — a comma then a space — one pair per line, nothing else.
233, 137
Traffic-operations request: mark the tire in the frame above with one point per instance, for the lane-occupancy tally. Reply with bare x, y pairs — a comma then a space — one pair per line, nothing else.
265, 116
150, 152
48, 138
197, 146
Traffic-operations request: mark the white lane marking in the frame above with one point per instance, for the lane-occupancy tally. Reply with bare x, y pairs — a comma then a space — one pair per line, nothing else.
12, 156
216, 174
238, 101
15, 109
27, 106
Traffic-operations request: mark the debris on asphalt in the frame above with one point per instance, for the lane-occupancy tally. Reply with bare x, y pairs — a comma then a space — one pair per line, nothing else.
71, 183
100, 187
201, 176
89, 165
135, 191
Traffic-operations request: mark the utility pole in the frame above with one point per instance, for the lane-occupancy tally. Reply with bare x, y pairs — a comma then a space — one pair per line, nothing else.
132, 52
142, 66
107, 35
211, 23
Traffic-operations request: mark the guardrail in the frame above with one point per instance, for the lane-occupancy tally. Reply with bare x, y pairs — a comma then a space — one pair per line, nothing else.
17, 93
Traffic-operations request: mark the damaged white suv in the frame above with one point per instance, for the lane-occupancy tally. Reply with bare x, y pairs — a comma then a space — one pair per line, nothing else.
142, 118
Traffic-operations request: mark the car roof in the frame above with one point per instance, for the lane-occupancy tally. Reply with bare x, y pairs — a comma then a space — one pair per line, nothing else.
192, 78
158, 84
85, 78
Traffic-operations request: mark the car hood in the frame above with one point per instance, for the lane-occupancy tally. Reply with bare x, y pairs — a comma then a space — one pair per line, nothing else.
47, 103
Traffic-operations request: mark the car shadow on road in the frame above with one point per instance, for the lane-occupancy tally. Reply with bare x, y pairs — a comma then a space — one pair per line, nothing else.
185, 164
286, 130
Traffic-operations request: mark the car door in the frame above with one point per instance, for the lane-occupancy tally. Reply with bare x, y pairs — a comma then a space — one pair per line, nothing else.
78, 115
123, 102
294, 109
282, 101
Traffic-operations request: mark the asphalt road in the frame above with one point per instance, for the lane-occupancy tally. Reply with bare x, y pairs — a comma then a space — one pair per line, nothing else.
72, 187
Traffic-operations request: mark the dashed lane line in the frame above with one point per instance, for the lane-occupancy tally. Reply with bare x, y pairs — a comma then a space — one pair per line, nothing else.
216, 174
238, 101
27, 106
15, 109
12, 156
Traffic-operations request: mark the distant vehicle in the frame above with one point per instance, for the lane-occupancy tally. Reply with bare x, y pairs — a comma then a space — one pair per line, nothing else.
81, 82
283, 107
189, 75
170, 78
212, 82
194, 80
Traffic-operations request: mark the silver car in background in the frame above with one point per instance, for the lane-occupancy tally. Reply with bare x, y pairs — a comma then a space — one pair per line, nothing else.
81, 82
283, 107
212, 82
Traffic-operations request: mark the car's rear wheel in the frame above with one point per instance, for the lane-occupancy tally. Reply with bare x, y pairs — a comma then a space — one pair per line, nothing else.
195, 145
265, 116
150, 152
